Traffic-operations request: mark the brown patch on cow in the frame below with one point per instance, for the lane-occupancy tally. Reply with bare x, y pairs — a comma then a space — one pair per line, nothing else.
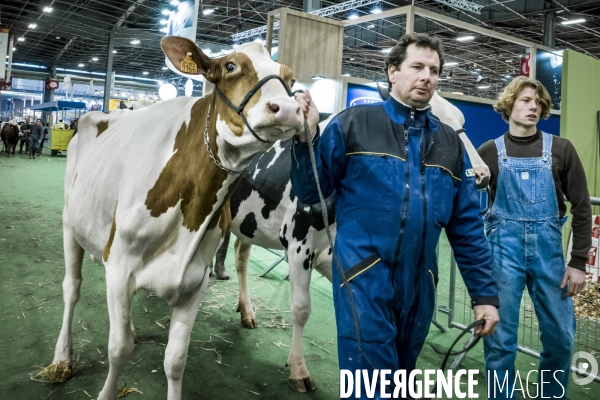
287, 75
111, 237
102, 126
235, 85
190, 177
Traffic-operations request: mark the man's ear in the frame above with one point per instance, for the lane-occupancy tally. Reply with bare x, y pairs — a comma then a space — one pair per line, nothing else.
177, 48
390, 72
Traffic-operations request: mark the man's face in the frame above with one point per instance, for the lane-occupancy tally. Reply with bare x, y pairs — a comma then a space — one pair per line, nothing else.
415, 80
527, 109
38, 122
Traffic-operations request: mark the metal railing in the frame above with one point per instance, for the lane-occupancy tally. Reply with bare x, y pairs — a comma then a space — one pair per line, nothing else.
460, 315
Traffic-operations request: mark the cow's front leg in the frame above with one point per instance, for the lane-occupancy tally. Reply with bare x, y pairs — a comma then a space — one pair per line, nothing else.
182, 322
119, 292
242, 255
299, 379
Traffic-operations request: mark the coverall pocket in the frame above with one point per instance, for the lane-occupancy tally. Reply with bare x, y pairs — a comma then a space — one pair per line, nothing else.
373, 180
491, 228
361, 267
526, 185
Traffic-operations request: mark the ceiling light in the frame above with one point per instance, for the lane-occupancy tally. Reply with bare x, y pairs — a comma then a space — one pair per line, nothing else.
573, 21
509, 61
21, 39
346, 75
163, 21
175, 2
508, 76
47, 9
145, 73
317, 77
94, 58
31, 26
135, 41
14, 49
464, 38
483, 87
165, 12
208, 11
164, 30
114, 52
450, 64
164, 68
80, 65
159, 82
353, 15
258, 39
386, 50
376, 9
352, 59
370, 26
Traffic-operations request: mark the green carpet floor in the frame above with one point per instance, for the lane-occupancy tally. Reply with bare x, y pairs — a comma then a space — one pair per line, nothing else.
225, 361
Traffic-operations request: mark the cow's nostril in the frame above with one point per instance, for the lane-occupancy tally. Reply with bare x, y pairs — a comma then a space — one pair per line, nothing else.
273, 107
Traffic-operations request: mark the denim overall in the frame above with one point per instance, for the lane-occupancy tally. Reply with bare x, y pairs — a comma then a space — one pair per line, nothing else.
523, 230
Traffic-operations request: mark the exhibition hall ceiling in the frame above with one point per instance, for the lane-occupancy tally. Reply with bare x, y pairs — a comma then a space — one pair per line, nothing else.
73, 34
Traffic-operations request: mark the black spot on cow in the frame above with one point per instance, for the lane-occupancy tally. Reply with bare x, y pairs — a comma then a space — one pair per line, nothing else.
242, 193
306, 264
304, 242
307, 250
284, 242
248, 226
298, 249
330, 251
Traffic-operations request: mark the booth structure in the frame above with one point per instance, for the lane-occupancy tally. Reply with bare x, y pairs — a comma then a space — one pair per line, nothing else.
59, 138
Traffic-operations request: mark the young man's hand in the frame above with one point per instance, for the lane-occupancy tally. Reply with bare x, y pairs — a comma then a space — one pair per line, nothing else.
576, 280
490, 315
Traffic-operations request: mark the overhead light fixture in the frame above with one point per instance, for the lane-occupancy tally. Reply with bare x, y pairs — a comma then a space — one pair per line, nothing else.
21, 39
509, 61
483, 87
352, 58
163, 21
465, 38
94, 58
376, 9
164, 30
480, 78
450, 64
352, 15
370, 26
14, 49
145, 73
317, 77
164, 68
165, 12
175, 2
508, 76
346, 75
48, 9
80, 65
208, 11
32, 26
159, 82
258, 39
114, 52
386, 51
135, 41
573, 21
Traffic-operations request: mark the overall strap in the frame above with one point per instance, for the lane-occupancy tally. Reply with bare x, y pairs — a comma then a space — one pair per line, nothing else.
547, 143
501, 148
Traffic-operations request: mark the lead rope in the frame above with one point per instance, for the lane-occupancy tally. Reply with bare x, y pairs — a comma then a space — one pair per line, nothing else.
325, 215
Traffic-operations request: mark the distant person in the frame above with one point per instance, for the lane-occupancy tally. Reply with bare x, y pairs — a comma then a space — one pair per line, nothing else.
59, 125
35, 138
44, 138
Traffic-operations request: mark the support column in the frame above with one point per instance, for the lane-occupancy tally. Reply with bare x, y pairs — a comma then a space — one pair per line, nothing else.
48, 95
311, 5
549, 28
108, 78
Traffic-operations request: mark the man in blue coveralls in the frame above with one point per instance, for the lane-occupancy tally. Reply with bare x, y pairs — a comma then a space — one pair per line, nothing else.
400, 176
531, 173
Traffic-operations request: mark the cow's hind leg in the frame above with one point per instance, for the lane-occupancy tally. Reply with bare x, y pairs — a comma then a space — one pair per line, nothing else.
182, 322
242, 255
60, 370
119, 292
299, 379
220, 259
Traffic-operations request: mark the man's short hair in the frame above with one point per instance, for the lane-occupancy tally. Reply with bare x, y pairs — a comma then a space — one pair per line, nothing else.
398, 53
506, 99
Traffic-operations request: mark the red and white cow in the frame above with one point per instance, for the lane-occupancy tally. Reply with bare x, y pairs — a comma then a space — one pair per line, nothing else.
145, 192
10, 135
265, 212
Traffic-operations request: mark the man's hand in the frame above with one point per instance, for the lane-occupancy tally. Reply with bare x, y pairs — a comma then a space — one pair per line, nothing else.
309, 109
490, 315
576, 280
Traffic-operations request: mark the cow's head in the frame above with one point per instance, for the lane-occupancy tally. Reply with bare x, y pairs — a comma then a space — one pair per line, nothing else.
270, 113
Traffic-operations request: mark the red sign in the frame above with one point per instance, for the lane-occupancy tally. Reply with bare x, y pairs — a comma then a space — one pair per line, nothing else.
51, 84
6, 85
525, 66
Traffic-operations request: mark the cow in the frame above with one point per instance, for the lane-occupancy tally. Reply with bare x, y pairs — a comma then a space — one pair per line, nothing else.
9, 134
266, 212
146, 194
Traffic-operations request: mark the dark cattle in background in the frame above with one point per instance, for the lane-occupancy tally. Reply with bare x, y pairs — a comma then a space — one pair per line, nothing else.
10, 137
24, 138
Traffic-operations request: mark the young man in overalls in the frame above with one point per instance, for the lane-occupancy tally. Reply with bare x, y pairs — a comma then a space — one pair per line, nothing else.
531, 171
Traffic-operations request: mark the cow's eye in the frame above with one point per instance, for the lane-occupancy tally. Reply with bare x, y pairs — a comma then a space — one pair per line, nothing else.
292, 82
230, 67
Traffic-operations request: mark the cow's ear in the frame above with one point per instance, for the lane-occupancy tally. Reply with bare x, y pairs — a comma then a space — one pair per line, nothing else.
177, 48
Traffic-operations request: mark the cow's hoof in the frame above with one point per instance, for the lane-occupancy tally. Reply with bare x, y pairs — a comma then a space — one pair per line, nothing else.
223, 278
56, 373
249, 323
302, 385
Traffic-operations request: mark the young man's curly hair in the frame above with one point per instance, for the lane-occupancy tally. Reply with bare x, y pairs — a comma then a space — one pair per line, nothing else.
398, 53
506, 99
